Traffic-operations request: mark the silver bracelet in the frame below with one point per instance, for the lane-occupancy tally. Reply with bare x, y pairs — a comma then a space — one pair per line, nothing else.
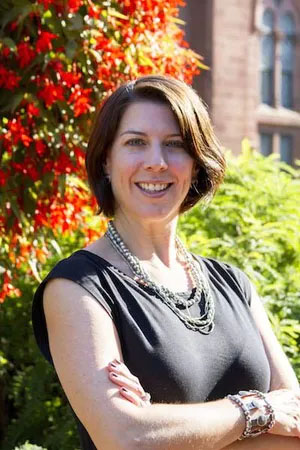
258, 412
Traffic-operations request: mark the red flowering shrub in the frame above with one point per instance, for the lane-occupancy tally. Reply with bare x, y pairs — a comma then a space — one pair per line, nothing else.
58, 59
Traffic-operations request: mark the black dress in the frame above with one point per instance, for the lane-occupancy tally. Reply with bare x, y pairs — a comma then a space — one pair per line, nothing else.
173, 363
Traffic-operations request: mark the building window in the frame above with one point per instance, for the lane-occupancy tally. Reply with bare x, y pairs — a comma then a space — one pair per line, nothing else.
287, 57
286, 148
267, 58
279, 29
266, 143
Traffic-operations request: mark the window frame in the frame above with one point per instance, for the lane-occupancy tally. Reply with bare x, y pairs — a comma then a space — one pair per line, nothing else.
283, 8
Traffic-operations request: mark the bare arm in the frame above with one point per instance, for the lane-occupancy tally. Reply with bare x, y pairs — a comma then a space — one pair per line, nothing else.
83, 340
266, 442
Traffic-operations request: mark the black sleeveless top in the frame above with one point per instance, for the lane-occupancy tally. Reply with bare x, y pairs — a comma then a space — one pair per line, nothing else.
173, 363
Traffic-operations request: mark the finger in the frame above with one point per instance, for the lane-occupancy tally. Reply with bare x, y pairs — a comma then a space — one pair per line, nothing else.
133, 398
123, 381
117, 366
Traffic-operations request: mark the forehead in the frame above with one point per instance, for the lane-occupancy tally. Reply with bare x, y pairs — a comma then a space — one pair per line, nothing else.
149, 117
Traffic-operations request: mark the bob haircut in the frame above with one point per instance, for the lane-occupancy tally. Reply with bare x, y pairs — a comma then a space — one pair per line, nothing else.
195, 128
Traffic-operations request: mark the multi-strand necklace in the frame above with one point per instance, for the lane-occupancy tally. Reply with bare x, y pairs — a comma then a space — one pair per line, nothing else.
174, 300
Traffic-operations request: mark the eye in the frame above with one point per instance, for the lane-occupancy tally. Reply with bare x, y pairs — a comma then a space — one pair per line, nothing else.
135, 142
175, 144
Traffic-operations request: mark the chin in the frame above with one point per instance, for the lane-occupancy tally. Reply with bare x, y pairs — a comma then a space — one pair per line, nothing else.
156, 214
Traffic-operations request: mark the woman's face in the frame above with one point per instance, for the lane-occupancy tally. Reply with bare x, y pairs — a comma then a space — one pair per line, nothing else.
149, 168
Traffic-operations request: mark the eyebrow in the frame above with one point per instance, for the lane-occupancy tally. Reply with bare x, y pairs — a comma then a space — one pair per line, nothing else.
141, 133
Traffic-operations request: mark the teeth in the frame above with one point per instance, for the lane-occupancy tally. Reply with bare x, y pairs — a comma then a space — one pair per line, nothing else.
153, 187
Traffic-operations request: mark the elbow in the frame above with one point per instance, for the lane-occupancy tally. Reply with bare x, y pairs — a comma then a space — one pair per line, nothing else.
127, 435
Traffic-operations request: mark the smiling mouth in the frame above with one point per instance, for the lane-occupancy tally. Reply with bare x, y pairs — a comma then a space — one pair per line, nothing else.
154, 188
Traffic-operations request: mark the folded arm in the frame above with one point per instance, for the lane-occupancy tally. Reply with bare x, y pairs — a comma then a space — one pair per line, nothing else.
83, 340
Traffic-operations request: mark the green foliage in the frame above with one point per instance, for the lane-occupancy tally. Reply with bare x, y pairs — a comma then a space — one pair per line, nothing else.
35, 403
253, 222
28, 446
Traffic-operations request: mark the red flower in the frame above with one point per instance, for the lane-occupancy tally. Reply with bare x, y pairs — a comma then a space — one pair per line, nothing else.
44, 42
13, 25
26, 140
45, 3
12, 81
17, 132
63, 164
74, 5
5, 52
81, 101
58, 4
70, 78
40, 147
32, 110
27, 168
8, 79
25, 54
33, 173
48, 167
3, 177
51, 93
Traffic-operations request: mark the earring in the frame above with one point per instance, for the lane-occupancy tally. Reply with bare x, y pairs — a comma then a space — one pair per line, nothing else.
107, 177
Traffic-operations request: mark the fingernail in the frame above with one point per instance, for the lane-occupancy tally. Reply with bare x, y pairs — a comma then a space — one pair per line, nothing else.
113, 365
117, 361
124, 389
114, 375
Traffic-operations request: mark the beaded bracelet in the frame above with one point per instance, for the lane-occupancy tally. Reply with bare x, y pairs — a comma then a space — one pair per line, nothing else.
264, 421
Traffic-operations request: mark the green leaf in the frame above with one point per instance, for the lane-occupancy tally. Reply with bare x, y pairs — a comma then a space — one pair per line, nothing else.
13, 103
62, 184
177, 20
144, 60
96, 55
202, 66
9, 43
56, 246
10, 16
115, 13
71, 48
76, 22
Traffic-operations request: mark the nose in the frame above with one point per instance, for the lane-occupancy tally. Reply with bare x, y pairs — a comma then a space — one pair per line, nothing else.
155, 158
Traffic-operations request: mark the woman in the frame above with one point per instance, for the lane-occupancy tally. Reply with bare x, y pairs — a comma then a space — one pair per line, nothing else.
191, 329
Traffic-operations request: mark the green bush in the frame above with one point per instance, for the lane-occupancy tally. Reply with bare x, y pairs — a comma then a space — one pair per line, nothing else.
28, 446
35, 406
253, 223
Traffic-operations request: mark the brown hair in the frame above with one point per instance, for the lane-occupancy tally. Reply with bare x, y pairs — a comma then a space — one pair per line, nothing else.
195, 127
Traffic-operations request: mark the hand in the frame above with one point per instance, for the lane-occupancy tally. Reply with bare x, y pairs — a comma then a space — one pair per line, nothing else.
286, 404
130, 387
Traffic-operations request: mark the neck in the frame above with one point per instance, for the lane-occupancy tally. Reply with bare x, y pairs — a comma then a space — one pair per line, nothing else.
149, 241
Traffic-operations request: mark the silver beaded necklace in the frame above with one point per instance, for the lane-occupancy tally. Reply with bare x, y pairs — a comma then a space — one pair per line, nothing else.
174, 300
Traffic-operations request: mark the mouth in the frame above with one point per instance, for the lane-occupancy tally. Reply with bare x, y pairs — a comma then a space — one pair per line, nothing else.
153, 188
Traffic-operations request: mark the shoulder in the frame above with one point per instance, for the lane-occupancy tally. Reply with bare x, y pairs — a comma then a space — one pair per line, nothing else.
82, 268
75, 285
228, 274
81, 262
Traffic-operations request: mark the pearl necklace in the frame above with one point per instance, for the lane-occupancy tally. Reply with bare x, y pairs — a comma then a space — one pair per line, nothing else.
174, 300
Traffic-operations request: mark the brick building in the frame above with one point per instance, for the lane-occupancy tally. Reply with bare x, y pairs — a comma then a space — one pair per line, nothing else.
253, 87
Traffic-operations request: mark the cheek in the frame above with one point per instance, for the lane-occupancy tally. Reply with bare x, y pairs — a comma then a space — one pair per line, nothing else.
125, 161
183, 164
